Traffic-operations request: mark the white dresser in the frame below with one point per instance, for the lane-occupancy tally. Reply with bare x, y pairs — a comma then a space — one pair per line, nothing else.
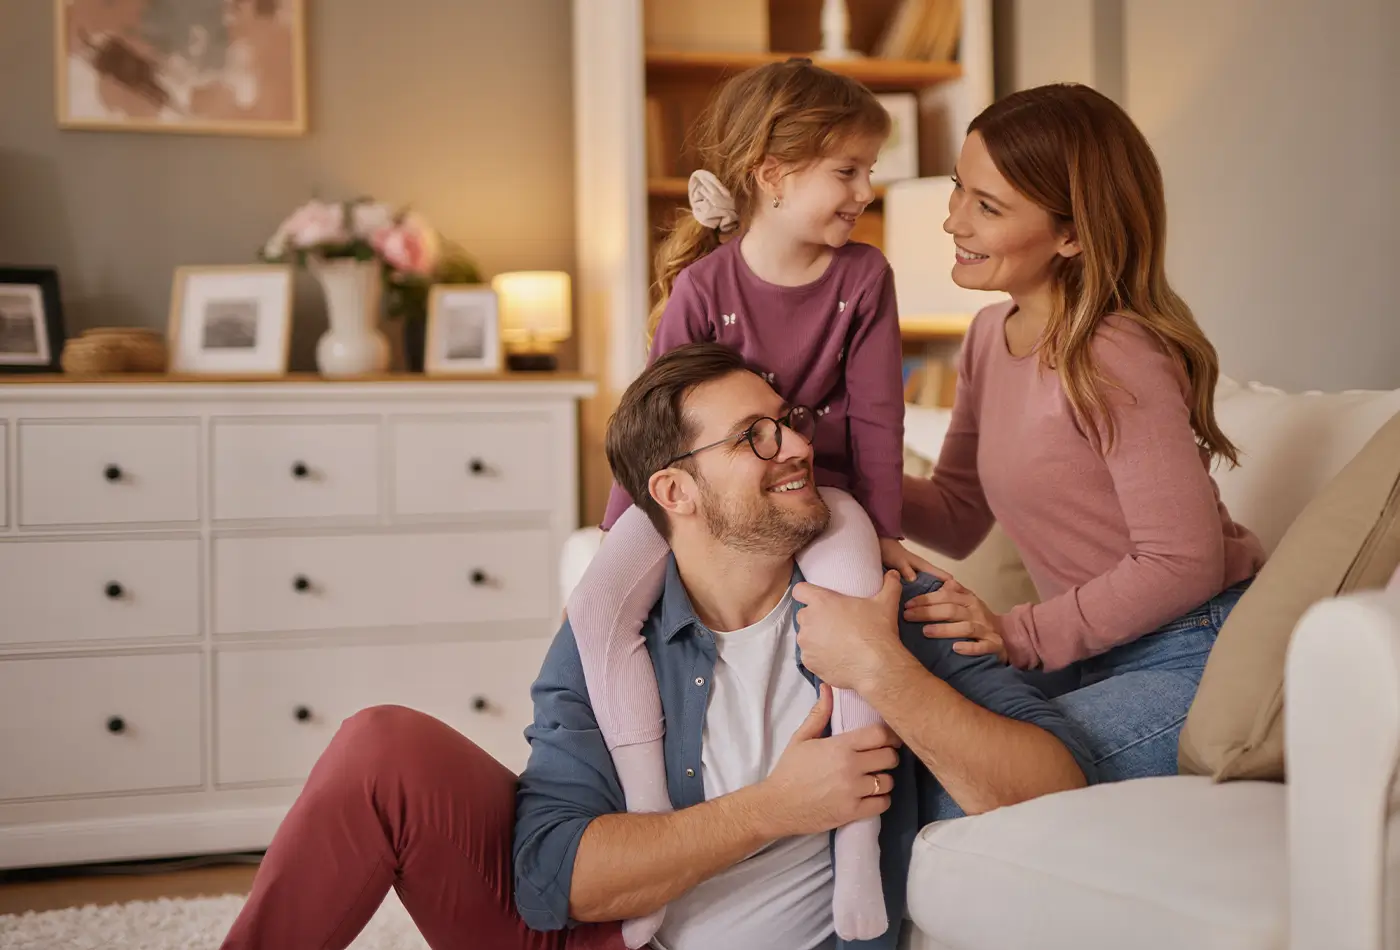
199, 581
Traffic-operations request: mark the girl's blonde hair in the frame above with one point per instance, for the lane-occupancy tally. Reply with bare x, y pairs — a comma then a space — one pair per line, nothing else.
1075, 153
794, 111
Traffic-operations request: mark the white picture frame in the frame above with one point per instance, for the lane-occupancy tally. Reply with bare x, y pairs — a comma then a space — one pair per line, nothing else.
464, 331
899, 158
231, 320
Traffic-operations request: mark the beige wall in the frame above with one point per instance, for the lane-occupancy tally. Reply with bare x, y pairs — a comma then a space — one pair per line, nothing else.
462, 108
1277, 126
1277, 123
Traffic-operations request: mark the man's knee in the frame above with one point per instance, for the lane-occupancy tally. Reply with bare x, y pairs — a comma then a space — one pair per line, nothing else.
387, 738
385, 724
383, 736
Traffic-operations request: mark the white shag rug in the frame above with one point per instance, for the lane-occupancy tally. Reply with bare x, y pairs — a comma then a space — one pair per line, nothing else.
196, 923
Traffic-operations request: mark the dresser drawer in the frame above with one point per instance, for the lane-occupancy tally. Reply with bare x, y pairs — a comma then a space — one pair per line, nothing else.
321, 583
92, 725
468, 466
54, 591
295, 469
278, 708
108, 473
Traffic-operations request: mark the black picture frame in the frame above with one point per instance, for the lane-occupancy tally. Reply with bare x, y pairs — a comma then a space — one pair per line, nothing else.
40, 282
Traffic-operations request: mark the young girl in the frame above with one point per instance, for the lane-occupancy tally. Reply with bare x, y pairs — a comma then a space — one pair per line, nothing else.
1084, 424
765, 265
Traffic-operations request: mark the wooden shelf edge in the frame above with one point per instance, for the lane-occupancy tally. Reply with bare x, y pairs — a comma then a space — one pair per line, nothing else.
934, 328
883, 74
680, 188
175, 379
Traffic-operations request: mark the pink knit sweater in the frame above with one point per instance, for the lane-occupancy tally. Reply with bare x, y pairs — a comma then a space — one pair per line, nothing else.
1117, 543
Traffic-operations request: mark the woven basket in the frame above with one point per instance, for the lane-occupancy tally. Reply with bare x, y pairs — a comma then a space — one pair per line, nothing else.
115, 350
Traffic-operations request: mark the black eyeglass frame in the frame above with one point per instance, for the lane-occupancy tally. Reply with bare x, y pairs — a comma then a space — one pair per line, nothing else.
779, 424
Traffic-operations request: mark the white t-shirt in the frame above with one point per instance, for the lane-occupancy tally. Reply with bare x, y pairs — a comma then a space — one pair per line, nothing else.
781, 895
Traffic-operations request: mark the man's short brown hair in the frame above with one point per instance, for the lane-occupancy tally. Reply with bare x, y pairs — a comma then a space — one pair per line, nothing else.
650, 427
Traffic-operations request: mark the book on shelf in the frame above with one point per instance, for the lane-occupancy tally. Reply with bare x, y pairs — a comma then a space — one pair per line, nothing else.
922, 30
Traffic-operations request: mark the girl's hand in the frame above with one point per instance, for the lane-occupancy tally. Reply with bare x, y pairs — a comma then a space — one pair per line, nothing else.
955, 613
894, 556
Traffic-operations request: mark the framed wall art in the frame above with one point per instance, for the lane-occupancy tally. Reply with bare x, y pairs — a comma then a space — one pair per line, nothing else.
236, 67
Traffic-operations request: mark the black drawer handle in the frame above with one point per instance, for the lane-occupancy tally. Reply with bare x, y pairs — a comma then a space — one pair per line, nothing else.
116, 725
114, 591
480, 704
303, 713
299, 470
301, 583
477, 467
479, 577
113, 473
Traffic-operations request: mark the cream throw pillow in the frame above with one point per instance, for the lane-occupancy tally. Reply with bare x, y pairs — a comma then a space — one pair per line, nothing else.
1346, 539
993, 572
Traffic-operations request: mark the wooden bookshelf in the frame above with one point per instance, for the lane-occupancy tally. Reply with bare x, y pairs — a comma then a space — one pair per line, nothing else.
939, 328
680, 188
881, 75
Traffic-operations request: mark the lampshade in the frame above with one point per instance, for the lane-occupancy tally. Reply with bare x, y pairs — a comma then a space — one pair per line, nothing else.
921, 253
536, 306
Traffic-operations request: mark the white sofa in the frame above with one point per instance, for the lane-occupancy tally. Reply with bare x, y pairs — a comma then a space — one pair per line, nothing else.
1181, 862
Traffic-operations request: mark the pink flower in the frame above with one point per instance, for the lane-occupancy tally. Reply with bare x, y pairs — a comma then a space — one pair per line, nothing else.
314, 224
411, 246
371, 217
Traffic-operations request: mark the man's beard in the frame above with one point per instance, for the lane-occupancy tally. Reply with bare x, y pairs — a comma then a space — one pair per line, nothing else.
759, 525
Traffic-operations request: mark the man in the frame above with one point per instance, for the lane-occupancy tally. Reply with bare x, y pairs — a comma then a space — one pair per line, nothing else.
723, 468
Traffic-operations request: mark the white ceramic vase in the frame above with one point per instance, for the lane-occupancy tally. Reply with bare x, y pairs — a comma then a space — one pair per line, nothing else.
353, 344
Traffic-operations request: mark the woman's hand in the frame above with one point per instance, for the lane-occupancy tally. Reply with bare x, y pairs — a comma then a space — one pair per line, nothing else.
897, 558
955, 613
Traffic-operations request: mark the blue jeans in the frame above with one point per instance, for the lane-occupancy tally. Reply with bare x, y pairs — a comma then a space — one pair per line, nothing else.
1131, 702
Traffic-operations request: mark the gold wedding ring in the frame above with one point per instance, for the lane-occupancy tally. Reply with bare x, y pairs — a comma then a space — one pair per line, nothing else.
877, 784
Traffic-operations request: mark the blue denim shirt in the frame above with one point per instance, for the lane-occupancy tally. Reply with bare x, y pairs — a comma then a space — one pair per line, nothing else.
570, 779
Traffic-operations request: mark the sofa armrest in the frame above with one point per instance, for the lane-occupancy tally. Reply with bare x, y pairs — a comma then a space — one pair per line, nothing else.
1342, 740
578, 551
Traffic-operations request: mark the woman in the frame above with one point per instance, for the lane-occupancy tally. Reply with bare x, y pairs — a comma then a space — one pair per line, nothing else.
1084, 424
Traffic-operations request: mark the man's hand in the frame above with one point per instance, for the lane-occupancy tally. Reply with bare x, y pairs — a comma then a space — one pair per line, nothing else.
955, 613
850, 641
824, 783
899, 558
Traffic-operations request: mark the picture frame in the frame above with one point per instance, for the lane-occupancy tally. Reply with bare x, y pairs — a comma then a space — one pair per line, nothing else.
196, 66
31, 320
464, 331
231, 320
899, 157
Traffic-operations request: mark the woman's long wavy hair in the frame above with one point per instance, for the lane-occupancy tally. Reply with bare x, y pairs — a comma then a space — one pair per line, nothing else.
795, 112
1075, 153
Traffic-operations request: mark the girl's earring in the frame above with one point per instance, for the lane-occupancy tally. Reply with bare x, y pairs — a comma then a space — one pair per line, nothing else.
777, 201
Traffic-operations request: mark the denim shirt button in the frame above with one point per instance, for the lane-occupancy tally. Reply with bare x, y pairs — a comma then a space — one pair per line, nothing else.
699, 681
690, 773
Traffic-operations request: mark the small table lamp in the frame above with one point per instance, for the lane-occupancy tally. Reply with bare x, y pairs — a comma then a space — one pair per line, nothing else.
536, 315
921, 253
934, 312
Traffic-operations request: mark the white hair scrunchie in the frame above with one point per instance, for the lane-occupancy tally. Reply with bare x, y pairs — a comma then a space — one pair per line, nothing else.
711, 202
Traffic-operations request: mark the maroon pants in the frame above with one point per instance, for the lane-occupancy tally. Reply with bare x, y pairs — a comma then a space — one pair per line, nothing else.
401, 800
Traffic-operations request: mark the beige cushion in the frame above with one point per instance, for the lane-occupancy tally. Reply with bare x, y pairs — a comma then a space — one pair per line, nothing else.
994, 571
1346, 539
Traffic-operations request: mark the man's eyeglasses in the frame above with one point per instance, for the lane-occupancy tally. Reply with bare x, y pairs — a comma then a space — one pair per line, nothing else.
765, 436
